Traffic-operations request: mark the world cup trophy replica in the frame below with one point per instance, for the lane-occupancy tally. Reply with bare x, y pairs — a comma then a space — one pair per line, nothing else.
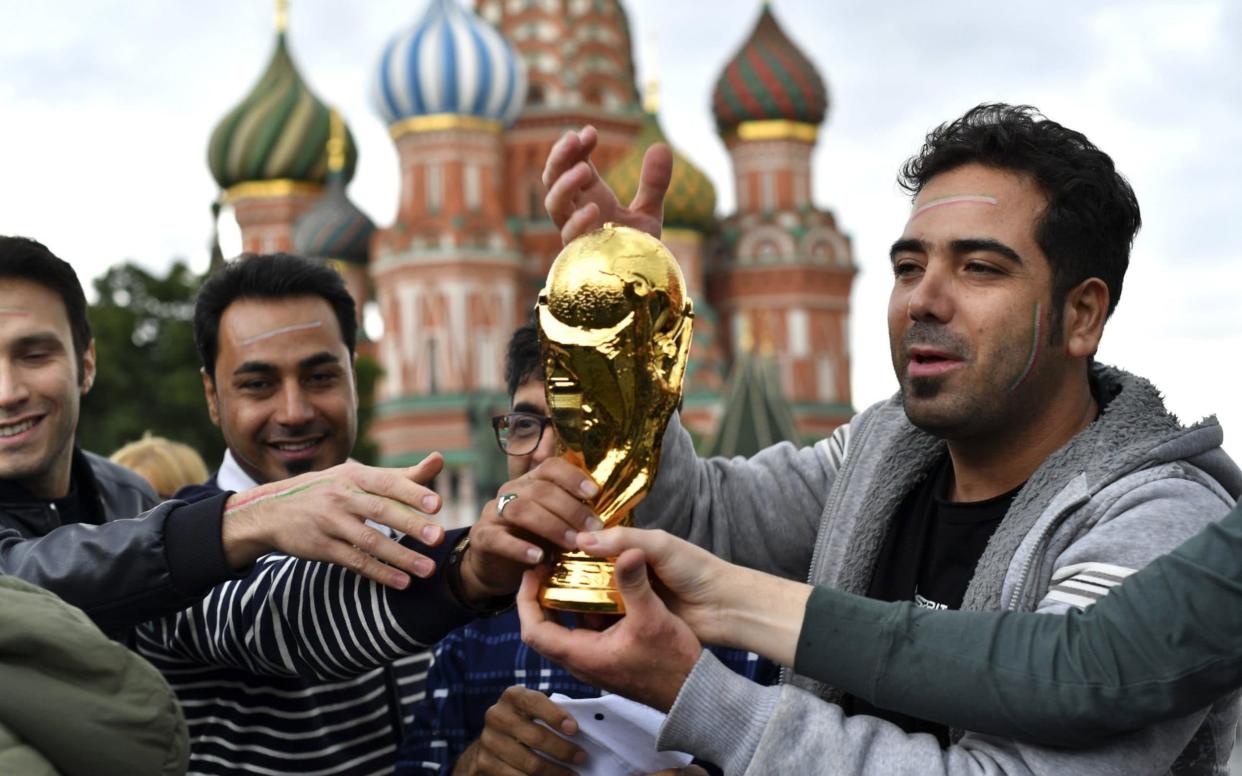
615, 326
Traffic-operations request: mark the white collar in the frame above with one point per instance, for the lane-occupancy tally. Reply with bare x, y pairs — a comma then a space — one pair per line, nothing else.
232, 477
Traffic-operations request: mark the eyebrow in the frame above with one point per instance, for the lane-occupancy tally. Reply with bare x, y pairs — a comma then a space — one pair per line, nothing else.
247, 367
525, 406
319, 359
982, 244
263, 367
39, 339
968, 245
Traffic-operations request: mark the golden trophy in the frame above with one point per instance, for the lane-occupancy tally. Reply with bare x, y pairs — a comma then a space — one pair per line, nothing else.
615, 325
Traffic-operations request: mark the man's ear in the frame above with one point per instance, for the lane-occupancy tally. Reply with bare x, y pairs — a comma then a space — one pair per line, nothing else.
88, 367
1083, 317
209, 391
353, 369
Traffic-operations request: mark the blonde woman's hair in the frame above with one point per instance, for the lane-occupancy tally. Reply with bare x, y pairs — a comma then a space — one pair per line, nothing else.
167, 465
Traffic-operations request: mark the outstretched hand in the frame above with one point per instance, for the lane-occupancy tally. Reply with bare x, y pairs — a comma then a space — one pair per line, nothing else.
645, 656
579, 200
722, 603
323, 516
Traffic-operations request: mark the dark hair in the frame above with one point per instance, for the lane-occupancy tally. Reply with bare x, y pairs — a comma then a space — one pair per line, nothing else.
268, 276
1092, 215
524, 359
21, 257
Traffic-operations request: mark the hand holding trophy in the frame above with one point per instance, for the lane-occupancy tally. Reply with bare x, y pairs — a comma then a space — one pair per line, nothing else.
615, 324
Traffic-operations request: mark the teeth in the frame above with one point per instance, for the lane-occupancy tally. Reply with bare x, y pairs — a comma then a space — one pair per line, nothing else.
14, 430
293, 447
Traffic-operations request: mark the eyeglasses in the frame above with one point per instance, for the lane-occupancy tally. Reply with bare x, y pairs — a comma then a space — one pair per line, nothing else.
518, 433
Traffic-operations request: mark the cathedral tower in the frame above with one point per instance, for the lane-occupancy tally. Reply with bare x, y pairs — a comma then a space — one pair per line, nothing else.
448, 271
268, 154
785, 274
578, 57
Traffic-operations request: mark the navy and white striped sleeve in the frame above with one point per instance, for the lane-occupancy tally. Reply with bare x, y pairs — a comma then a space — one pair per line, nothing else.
291, 617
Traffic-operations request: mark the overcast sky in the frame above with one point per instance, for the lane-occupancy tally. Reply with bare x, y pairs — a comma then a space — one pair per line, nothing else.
106, 107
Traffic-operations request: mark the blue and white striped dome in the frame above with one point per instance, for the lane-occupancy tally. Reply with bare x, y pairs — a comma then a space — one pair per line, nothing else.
450, 61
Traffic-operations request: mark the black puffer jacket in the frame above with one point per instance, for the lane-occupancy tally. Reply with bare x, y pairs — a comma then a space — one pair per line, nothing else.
120, 571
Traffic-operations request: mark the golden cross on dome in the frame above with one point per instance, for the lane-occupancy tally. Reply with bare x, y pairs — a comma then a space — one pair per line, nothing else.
282, 15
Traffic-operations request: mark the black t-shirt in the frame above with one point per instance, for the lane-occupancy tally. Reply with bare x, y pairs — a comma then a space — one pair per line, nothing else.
929, 557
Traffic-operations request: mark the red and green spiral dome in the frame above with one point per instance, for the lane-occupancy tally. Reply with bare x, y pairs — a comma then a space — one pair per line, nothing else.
769, 79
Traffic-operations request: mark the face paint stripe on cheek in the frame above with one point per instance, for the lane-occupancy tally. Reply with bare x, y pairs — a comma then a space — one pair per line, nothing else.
1036, 341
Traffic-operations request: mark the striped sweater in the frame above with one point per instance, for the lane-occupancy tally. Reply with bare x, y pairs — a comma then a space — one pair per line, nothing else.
300, 667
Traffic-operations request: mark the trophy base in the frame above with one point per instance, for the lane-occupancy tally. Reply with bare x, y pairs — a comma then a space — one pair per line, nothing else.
581, 583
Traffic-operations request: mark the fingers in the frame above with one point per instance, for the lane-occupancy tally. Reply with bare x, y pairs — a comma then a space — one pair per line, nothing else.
562, 196
538, 631
394, 514
426, 470
610, 543
375, 544
535, 705
515, 714
653, 182
631, 574
573, 147
583, 220
396, 484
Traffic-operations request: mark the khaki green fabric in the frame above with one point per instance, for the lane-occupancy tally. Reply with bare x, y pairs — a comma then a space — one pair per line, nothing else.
76, 702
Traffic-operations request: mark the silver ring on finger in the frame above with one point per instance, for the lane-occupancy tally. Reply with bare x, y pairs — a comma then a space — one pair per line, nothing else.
504, 501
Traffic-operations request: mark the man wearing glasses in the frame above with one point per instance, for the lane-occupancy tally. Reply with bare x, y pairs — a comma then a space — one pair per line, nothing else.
487, 689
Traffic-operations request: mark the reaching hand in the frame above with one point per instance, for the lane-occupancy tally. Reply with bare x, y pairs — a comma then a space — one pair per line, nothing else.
578, 200
692, 579
511, 738
322, 516
548, 510
646, 655
722, 603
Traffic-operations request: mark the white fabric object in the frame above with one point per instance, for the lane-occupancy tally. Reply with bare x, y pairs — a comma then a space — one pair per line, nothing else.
618, 736
232, 477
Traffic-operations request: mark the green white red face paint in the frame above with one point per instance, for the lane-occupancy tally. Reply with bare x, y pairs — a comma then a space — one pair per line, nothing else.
1036, 341
15, 312
282, 330
258, 498
953, 199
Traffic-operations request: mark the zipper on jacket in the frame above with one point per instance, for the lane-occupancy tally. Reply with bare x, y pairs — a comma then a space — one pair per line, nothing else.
1020, 583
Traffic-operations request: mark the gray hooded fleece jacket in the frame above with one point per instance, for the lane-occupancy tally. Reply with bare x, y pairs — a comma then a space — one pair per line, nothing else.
1131, 486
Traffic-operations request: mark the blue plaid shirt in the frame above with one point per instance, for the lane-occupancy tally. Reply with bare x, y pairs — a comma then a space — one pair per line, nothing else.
475, 664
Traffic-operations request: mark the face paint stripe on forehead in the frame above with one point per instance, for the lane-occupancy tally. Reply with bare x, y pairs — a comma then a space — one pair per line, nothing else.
282, 330
953, 199
14, 311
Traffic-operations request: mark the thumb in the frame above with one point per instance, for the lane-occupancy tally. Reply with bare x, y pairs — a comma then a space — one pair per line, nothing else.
636, 592
427, 469
653, 182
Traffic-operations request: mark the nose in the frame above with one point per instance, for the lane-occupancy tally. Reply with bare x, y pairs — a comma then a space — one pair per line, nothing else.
931, 299
295, 408
13, 390
546, 447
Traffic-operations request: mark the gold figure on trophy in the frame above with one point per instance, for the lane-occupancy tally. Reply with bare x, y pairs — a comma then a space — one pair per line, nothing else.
615, 325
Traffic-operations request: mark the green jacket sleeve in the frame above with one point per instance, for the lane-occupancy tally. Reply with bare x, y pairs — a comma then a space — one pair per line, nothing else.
84, 703
1164, 643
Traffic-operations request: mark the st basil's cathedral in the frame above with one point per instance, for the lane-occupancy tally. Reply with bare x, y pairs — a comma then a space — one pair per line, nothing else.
474, 100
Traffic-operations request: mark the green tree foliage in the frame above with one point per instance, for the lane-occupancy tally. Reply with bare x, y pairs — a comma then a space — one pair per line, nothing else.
147, 377
148, 369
